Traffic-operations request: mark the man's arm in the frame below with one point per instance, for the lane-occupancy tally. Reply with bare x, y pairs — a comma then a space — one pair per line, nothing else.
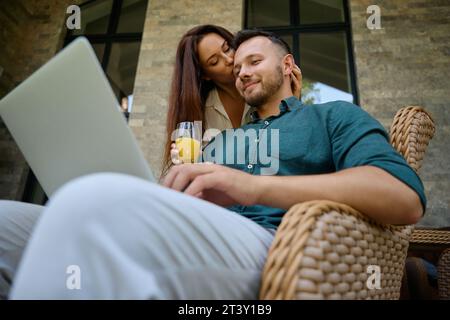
370, 190
367, 189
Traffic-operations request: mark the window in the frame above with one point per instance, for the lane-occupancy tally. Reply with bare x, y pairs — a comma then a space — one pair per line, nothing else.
319, 34
114, 28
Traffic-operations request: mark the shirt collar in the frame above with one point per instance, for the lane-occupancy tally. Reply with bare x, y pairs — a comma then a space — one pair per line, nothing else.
213, 101
286, 105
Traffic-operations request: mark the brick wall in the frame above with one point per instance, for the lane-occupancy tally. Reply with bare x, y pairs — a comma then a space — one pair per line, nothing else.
407, 62
31, 32
166, 22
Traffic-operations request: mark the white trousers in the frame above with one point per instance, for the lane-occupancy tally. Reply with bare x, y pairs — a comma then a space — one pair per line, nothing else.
17, 220
113, 236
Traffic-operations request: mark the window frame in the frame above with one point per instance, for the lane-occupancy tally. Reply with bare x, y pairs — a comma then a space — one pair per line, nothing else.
296, 28
111, 36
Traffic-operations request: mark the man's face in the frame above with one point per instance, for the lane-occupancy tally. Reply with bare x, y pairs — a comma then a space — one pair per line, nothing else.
258, 70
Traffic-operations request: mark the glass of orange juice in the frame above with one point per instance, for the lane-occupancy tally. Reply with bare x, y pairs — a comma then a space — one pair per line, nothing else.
188, 141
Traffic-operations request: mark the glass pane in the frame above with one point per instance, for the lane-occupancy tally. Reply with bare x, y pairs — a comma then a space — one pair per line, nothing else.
95, 17
321, 11
324, 64
34, 193
121, 69
132, 16
289, 41
268, 13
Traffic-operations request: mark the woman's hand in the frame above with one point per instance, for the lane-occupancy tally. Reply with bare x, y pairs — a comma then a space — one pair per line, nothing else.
296, 81
175, 154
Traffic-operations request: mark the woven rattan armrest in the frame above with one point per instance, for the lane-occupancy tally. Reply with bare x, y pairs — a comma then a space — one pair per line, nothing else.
327, 250
427, 236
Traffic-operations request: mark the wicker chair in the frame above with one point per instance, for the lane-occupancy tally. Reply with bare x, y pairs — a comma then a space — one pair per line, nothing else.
322, 249
434, 245
444, 273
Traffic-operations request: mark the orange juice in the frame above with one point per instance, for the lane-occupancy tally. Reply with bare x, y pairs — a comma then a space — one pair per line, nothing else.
189, 149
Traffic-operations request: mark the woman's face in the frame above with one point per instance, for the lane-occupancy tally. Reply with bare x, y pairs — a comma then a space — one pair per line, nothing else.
216, 59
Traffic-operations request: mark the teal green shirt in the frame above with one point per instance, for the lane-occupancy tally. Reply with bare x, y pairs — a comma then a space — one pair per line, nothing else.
304, 140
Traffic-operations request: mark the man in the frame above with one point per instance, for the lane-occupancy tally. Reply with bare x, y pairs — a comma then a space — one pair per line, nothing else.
315, 140
168, 243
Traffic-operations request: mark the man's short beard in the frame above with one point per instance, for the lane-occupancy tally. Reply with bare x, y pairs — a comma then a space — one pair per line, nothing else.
269, 88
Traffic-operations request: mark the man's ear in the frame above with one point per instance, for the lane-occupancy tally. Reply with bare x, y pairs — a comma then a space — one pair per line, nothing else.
288, 64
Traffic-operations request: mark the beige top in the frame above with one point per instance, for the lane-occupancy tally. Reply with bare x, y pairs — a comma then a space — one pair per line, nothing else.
216, 118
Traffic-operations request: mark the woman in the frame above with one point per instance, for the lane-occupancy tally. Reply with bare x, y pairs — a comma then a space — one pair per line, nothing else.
203, 86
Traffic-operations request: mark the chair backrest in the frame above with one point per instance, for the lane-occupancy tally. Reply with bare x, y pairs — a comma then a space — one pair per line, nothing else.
410, 133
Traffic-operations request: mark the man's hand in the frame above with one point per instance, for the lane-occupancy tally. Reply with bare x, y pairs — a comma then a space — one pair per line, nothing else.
215, 183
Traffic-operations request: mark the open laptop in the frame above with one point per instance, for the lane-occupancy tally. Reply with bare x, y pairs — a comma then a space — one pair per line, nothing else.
67, 121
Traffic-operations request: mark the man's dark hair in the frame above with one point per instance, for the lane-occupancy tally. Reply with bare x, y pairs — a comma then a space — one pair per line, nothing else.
245, 35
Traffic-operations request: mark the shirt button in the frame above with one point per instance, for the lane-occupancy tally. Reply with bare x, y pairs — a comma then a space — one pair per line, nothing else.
249, 166
256, 140
266, 123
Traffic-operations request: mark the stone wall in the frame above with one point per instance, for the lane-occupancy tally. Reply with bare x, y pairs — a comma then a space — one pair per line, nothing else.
407, 62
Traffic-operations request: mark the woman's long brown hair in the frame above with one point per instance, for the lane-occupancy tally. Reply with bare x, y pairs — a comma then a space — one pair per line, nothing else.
189, 91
